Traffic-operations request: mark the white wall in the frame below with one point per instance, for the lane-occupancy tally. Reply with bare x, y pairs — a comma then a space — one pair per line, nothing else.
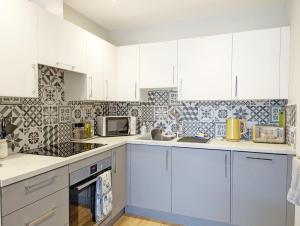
294, 89
80, 20
273, 15
54, 6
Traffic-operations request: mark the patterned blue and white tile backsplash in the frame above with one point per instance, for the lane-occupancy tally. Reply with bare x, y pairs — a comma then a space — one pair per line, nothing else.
48, 119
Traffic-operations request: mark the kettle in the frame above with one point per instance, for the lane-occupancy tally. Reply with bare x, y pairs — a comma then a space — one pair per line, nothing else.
235, 128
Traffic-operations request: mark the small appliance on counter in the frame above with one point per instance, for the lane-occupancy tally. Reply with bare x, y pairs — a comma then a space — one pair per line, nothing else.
111, 126
268, 134
83, 131
235, 129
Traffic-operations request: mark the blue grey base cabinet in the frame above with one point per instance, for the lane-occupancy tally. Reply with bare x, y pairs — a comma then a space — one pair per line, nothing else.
150, 177
259, 189
201, 184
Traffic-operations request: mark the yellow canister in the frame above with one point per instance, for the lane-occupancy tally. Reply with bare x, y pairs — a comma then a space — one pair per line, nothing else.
235, 128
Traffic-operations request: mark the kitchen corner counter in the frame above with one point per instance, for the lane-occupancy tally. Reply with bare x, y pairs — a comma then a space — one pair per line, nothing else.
19, 167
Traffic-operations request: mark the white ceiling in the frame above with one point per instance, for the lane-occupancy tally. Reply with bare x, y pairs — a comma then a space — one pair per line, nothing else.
124, 14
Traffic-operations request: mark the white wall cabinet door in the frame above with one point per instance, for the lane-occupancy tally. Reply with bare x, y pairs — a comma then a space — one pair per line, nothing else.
158, 62
18, 47
109, 71
285, 62
204, 68
256, 64
150, 177
95, 67
128, 58
61, 44
201, 184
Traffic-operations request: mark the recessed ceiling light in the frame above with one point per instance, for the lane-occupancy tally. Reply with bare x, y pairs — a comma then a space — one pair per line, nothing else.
114, 1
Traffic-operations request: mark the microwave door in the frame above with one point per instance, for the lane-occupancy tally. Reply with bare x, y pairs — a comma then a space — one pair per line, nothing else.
118, 126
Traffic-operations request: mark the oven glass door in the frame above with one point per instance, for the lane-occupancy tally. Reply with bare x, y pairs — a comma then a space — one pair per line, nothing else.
119, 126
83, 203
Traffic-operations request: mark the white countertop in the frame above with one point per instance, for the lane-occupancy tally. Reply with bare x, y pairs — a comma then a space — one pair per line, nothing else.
18, 167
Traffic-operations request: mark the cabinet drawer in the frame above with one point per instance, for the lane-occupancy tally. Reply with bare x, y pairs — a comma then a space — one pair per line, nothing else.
50, 211
23, 193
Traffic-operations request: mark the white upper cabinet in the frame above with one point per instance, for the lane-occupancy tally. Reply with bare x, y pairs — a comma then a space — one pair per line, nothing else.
18, 48
61, 44
158, 65
204, 68
110, 88
95, 67
256, 64
128, 59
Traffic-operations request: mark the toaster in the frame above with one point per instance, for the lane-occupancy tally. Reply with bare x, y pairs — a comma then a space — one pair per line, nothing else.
268, 134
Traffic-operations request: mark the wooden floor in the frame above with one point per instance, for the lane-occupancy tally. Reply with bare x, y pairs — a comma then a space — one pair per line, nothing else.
139, 221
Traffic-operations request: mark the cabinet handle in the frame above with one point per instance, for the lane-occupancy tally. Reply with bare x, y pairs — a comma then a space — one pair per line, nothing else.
91, 87
236, 86
42, 218
173, 74
225, 165
36, 78
115, 161
40, 185
68, 65
180, 87
167, 160
106, 82
135, 90
261, 159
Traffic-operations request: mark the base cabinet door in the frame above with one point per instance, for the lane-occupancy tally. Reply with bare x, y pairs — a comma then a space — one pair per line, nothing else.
150, 177
201, 184
259, 189
119, 179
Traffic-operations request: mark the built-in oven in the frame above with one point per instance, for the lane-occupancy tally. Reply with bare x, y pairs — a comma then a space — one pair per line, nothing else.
109, 126
83, 194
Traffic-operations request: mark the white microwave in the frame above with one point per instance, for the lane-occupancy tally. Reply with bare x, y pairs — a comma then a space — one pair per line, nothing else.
112, 126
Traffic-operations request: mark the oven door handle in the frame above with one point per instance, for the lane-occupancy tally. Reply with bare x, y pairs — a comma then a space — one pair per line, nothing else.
83, 186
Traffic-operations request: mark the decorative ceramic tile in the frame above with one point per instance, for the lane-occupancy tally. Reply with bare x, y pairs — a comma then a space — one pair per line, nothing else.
260, 103
51, 76
275, 111
190, 128
50, 134
49, 95
168, 126
291, 136
88, 112
190, 111
158, 97
148, 125
291, 115
77, 114
175, 113
148, 113
222, 103
50, 115
33, 138
32, 116
241, 112
241, 102
173, 98
5, 111
206, 103
101, 110
112, 109
31, 101
64, 113
122, 109
207, 128
278, 102
135, 111
161, 113
65, 132
15, 141
206, 114
220, 129
10, 100
260, 114
222, 112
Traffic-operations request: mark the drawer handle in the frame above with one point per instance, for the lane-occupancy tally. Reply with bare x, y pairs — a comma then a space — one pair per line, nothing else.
42, 218
40, 185
262, 159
